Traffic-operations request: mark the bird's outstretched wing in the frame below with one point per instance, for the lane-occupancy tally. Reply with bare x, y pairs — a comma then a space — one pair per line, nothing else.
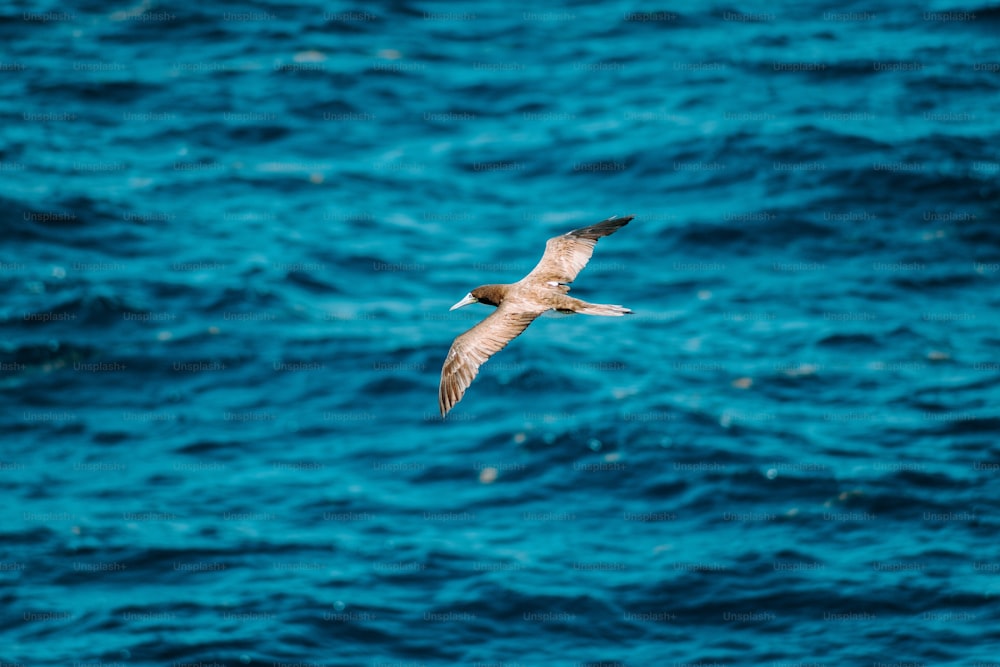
566, 255
471, 350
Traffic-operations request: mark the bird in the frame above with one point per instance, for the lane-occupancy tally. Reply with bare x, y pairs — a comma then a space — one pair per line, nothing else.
518, 304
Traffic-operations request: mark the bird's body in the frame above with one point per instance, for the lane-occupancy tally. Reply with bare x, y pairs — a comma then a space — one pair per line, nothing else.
518, 304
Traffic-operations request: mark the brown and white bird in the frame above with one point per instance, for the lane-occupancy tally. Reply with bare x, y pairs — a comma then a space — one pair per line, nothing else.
518, 304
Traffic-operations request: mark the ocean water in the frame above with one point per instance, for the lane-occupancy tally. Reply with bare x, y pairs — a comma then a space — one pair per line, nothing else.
230, 238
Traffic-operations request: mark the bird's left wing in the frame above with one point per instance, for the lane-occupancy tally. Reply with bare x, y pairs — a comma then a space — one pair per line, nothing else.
474, 347
566, 255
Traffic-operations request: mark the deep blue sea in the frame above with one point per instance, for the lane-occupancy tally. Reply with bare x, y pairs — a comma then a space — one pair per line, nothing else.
230, 235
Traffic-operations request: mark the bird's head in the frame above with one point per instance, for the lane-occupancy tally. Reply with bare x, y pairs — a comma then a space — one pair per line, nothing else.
491, 295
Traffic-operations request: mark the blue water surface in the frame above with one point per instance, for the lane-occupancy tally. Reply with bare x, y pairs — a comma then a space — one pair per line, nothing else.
231, 234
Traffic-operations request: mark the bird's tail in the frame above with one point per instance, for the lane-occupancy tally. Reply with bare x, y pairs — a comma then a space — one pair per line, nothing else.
603, 309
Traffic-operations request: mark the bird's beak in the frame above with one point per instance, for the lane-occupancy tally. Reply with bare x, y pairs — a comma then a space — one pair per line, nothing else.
465, 302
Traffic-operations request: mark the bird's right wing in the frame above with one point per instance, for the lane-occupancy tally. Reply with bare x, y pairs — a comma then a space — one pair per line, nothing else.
471, 350
566, 255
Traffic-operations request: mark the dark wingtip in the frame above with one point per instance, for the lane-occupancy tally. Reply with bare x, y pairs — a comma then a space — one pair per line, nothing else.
616, 220
602, 228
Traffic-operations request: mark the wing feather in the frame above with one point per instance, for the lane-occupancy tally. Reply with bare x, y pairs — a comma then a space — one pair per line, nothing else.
471, 350
566, 255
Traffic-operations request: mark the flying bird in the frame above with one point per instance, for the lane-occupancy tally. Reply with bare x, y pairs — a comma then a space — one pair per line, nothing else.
518, 304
